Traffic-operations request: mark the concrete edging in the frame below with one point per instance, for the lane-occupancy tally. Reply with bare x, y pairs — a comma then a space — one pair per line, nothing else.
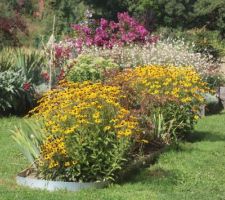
56, 185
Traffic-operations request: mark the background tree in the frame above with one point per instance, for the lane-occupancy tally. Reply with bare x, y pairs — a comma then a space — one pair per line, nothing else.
210, 14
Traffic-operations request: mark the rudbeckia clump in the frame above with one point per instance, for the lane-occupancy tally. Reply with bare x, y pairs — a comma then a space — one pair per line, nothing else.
183, 83
89, 132
176, 93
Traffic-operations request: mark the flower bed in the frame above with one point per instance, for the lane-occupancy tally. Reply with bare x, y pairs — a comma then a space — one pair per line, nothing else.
91, 131
106, 113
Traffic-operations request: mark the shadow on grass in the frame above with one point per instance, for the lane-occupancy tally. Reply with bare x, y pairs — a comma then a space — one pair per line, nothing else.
148, 173
198, 136
154, 175
132, 173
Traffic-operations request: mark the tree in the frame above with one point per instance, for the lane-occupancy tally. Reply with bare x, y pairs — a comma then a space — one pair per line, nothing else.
210, 14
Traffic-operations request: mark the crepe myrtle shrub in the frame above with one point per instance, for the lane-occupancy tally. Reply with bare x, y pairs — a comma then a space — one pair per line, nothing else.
88, 67
108, 33
103, 33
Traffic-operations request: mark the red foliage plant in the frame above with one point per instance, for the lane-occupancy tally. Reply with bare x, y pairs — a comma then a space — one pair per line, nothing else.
10, 26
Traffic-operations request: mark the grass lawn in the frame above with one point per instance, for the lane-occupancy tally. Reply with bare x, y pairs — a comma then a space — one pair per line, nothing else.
195, 171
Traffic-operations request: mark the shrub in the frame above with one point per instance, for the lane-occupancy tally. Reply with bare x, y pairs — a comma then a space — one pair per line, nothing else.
176, 93
103, 33
206, 42
109, 33
16, 96
20, 78
87, 67
10, 27
89, 133
164, 52
215, 80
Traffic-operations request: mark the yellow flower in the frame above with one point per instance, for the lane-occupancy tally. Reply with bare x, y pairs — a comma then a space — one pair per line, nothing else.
67, 164
196, 117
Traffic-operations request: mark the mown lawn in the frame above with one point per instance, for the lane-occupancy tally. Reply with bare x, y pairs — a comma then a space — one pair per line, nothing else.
195, 171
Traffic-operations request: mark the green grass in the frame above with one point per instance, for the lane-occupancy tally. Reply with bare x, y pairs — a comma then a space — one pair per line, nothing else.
195, 171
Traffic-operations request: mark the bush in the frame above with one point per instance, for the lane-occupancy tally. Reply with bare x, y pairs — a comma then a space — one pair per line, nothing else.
205, 41
89, 133
10, 27
109, 33
103, 33
213, 104
16, 96
87, 67
215, 80
174, 92
20, 78
92, 129
164, 52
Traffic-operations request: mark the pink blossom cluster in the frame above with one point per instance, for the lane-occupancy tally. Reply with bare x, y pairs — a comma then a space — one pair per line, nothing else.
63, 51
110, 33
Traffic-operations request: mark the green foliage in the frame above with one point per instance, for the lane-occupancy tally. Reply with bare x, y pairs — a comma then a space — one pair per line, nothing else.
13, 98
211, 14
182, 13
19, 67
205, 41
66, 12
164, 131
100, 155
29, 137
108, 9
6, 59
215, 81
196, 169
87, 67
32, 63
183, 119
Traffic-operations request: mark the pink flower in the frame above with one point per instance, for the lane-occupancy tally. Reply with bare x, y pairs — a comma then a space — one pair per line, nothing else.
26, 86
113, 25
45, 76
61, 75
108, 34
103, 23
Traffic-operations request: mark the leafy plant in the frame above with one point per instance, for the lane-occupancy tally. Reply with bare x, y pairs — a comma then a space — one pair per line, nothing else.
164, 52
20, 79
32, 63
164, 130
29, 137
178, 92
16, 96
87, 67
6, 59
89, 132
